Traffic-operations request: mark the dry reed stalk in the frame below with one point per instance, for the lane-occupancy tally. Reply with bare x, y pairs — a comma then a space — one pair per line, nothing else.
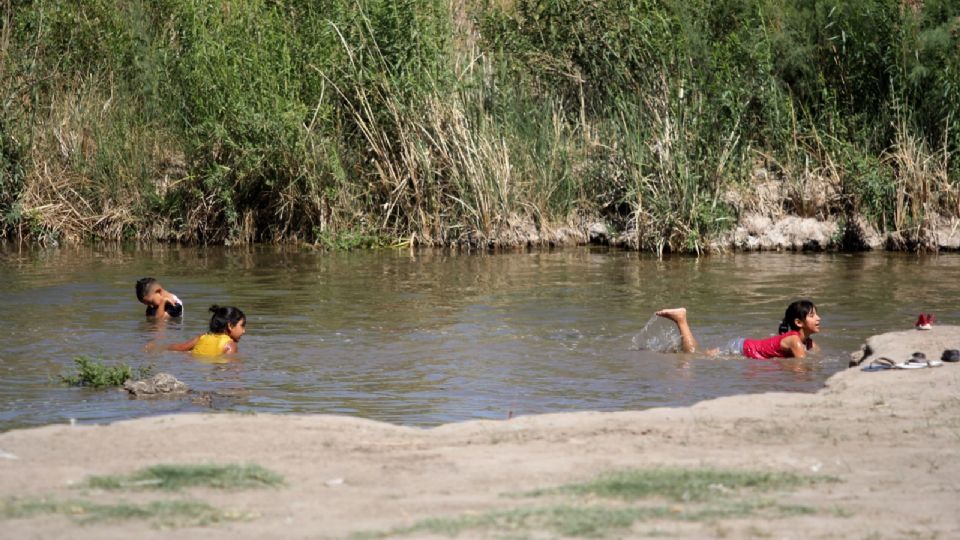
922, 186
429, 160
665, 225
473, 166
7, 9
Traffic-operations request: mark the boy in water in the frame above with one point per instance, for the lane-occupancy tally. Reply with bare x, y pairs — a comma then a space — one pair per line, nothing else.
150, 293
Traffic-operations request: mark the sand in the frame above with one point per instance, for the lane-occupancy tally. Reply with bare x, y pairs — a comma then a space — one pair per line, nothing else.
890, 439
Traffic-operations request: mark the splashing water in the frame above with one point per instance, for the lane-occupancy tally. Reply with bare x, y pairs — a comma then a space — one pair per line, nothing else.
658, 335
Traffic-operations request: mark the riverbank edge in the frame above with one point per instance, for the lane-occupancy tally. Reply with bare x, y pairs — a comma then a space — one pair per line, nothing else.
888, 439
754, 232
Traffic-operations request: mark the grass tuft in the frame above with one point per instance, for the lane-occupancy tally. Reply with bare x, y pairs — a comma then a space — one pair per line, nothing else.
175, 477
180, 513
97, 375
679, 484
698, 495
584, 521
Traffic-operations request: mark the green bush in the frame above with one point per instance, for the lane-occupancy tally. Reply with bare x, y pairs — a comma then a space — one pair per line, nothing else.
97, 375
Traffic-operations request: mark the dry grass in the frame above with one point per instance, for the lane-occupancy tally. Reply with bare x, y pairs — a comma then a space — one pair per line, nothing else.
87, 169
923, 189
675, 181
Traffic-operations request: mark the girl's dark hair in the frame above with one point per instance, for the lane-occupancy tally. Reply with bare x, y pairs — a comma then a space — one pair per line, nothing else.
797, 310
223, 316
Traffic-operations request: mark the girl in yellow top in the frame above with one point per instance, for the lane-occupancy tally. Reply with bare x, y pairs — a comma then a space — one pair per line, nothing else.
227, 326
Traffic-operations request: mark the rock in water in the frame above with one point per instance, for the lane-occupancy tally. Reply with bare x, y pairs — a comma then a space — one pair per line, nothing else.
161, 384
599, 233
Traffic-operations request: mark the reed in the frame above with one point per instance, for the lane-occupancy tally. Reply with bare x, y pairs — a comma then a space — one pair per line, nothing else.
923, 189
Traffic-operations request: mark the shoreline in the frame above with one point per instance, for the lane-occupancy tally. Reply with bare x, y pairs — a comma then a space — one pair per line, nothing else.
888, 441
752, 233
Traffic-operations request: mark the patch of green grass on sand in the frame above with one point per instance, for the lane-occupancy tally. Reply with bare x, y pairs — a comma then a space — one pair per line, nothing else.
681, 485
608, 504
172, 477
179, 513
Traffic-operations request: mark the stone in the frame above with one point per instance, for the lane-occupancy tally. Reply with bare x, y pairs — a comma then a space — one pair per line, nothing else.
756, 224
599, 233
860, 234
757, 232
161, 384
948, 235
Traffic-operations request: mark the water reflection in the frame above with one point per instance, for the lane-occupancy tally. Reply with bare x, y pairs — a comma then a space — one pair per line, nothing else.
429, 337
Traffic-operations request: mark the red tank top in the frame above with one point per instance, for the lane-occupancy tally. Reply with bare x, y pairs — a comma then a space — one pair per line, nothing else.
762, 349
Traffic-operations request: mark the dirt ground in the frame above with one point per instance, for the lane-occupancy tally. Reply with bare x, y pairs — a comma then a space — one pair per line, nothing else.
891, 439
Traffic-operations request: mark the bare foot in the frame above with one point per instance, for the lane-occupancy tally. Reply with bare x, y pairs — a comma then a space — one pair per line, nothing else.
674, 314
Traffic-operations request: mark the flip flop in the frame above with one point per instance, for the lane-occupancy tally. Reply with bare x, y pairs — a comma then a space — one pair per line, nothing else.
920, 360
917, 363
880, 364
910, 364
883, 364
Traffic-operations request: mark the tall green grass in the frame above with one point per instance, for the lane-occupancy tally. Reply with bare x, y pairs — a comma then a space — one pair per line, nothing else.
479, 123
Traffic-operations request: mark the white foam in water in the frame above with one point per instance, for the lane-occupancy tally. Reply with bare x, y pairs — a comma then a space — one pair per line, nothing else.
659, 335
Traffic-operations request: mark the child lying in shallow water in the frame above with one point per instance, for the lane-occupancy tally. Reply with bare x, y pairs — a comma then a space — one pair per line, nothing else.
799, 323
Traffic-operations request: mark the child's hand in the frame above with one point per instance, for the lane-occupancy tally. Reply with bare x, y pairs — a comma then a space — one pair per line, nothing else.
174, 307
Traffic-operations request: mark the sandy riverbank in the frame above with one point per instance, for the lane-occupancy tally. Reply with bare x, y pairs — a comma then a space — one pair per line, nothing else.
891, 439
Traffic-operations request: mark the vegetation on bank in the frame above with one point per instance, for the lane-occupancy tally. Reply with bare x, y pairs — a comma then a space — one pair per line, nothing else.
362, 122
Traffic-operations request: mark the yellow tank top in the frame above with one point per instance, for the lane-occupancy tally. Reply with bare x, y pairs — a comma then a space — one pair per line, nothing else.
211, 344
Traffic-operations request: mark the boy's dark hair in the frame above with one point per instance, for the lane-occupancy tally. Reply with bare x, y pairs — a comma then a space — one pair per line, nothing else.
143, 286
223, 316
797, 310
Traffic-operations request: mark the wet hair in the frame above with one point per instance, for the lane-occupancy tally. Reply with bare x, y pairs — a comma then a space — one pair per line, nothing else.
143, 287
224, 316
797, 310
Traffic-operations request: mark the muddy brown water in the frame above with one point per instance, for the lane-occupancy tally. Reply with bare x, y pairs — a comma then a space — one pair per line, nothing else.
427, 337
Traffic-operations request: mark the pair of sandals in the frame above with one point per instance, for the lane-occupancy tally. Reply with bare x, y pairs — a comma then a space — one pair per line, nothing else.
917, 361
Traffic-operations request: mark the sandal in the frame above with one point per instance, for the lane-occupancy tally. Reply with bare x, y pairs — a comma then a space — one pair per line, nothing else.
919, 360
950, 355
880, 364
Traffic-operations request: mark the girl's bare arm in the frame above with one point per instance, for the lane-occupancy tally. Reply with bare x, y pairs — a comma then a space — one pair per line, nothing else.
795, 346
185, 346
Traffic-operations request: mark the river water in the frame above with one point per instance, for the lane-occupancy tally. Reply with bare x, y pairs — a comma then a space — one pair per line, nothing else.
428, 337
